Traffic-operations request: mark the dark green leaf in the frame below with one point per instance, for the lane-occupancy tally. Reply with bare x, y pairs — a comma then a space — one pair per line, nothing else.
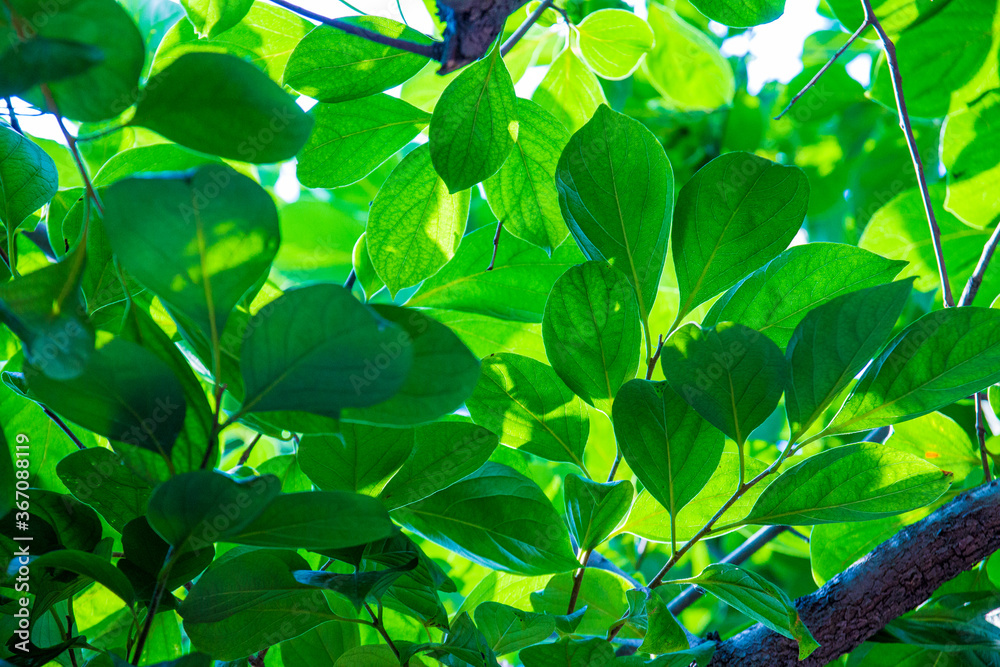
593, 509
41, 60
495, 517
526, 403
850, 483
591, 328
241, 605
732, 375
735, 215
474, 126
322, 645
442, 375
616, 190
332, 66
508, 629
221, 105
415, 225
775, 298
99, 478
942, 357
100, 92
198, 508
28, 178
833, 343
144, 555
357, 587
88, 565
667, 444
361, 459
125, 393
200, 241
350, 139
443, 454
523, 192
568, 652
759, 599
317, 350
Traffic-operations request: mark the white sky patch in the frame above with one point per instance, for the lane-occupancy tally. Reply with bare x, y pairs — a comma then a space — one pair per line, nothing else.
860, 69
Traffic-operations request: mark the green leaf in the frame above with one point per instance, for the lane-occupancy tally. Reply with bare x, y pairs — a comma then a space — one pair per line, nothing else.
332, 66
28, 178
591, 328
508, 629
685, 66
775, 298
108, 88
732, 375
849, 483
443, 454
742, 14
495, 517
667, 444
41, 60
221, 105
200, 241
898, 230
266, 37
415, 225
523, 192
239, 604
125, 393
315, 520
834, 547
465, 643
649, 616
361, 459
516, 286
570, 91
474, 125
99, 478
613, 41
357, 587
145, 553
593, 509
972, 160
735, 215
650, 520
317, 350
944, 356
88, 565
322, 645
442, 375
939, 440
833, 343
351, 139
211, 17
526, 403
197, 508
370, 655
364, 269
602, 593
616, 190
759, 599
45, 310
568, 652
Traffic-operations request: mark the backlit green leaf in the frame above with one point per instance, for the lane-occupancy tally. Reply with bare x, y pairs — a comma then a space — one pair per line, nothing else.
612, 42
972, 160
28, 178
742, 13
570, 91
593, 509
211, 17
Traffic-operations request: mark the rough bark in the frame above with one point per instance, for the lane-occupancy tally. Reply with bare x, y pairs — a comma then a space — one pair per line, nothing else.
472, 27
893, 579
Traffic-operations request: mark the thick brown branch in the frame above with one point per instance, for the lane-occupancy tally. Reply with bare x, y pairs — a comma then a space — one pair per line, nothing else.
893, 579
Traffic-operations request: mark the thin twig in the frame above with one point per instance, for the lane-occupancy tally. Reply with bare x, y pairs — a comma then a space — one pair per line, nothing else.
651, 364
496, 245
523, 29
352, 278
12, 116
246, 452
976, 279
981, 434
62, 426
154, 604
578, 581
434, 50
74, 150
822, 71
911, 142
380, 626
614, 466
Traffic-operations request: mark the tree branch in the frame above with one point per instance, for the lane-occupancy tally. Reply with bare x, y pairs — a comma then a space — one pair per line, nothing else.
911, 143
896, 577
523, 29
976, 279
432, 50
